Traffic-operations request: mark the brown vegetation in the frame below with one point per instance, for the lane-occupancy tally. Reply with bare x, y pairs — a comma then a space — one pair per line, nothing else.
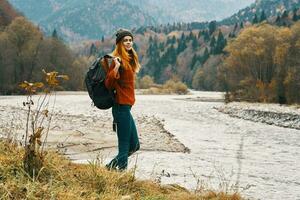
172, 86
24, 52
61, 179
7, 13
263, 64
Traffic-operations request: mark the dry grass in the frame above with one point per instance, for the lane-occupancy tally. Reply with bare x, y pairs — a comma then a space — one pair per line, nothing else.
61, 179
170, 87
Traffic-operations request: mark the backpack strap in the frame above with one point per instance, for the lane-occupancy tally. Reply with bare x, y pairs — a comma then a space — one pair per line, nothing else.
104, 60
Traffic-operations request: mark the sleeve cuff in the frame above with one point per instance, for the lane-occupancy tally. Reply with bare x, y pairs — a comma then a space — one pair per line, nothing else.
114, 75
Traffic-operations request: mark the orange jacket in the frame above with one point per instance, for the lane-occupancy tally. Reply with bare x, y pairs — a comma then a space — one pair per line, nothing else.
123, 82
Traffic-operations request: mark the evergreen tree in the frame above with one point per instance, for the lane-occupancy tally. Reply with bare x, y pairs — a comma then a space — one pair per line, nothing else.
255, 19
295, 16
153, 48
174, 26
150, 39
194, 43
221, 43
205, 55
179, 26
173, 39
194, 60
165, 30
191, 35
242, 25
199, 34
212, 26
161, 46
278, 19
93, 49
284, 15
172, 55
169, 41
263, 16
153, 67
54, 34
149, 51
189, 27
235, 27
181, 46
212, 42
206, 36
182, 38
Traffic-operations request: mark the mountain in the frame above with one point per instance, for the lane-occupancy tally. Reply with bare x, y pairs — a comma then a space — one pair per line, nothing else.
25, 51
77, 19
7, 13
194, 52
271, 8
169, 11
91, 19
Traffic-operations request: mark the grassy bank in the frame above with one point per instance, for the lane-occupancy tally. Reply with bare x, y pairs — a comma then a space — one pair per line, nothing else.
62, 179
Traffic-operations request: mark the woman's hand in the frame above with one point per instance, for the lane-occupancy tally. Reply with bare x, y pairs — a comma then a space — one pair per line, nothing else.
117, 65
117, 62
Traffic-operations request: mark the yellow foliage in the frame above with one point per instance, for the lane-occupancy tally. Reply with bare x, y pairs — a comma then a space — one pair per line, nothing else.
51, 78
198, 79
175, 87
146, 82
264, 54
31, 87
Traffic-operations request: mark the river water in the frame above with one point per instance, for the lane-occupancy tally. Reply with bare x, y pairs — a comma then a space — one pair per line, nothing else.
260, 161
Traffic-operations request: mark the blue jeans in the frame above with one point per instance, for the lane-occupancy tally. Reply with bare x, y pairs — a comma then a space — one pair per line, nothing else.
128, 141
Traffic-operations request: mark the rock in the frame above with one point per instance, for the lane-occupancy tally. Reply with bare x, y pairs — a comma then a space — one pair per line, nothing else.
287, 117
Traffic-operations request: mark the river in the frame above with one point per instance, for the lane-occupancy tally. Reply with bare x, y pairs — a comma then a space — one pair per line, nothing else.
260, 161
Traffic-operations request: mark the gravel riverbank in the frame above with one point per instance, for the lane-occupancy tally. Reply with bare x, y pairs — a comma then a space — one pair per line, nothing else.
272, 114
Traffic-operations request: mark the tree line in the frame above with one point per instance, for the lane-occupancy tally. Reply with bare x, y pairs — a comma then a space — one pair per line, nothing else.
259, 63
25, 51
263, 65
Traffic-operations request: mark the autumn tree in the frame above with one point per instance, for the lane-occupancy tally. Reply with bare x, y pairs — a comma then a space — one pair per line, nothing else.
262, 64
251, 60
24, 52
25, 40
292, 78
205, 77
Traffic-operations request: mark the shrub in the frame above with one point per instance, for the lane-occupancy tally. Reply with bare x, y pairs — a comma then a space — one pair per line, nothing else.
146, 82
175, 87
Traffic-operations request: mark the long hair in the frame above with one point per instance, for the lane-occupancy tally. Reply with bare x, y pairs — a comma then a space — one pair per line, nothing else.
129, 58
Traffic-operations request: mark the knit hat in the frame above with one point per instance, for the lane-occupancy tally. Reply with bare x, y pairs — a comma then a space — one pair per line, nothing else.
122, 33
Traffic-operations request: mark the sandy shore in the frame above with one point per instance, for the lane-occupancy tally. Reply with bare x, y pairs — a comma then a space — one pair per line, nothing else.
82, 137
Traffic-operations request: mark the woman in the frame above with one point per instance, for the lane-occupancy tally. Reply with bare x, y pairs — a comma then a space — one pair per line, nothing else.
121, 77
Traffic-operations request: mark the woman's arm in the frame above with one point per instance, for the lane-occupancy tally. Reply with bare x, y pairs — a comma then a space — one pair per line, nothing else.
112, 74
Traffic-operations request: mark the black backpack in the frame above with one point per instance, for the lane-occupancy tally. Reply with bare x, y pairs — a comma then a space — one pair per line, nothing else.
102, 97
